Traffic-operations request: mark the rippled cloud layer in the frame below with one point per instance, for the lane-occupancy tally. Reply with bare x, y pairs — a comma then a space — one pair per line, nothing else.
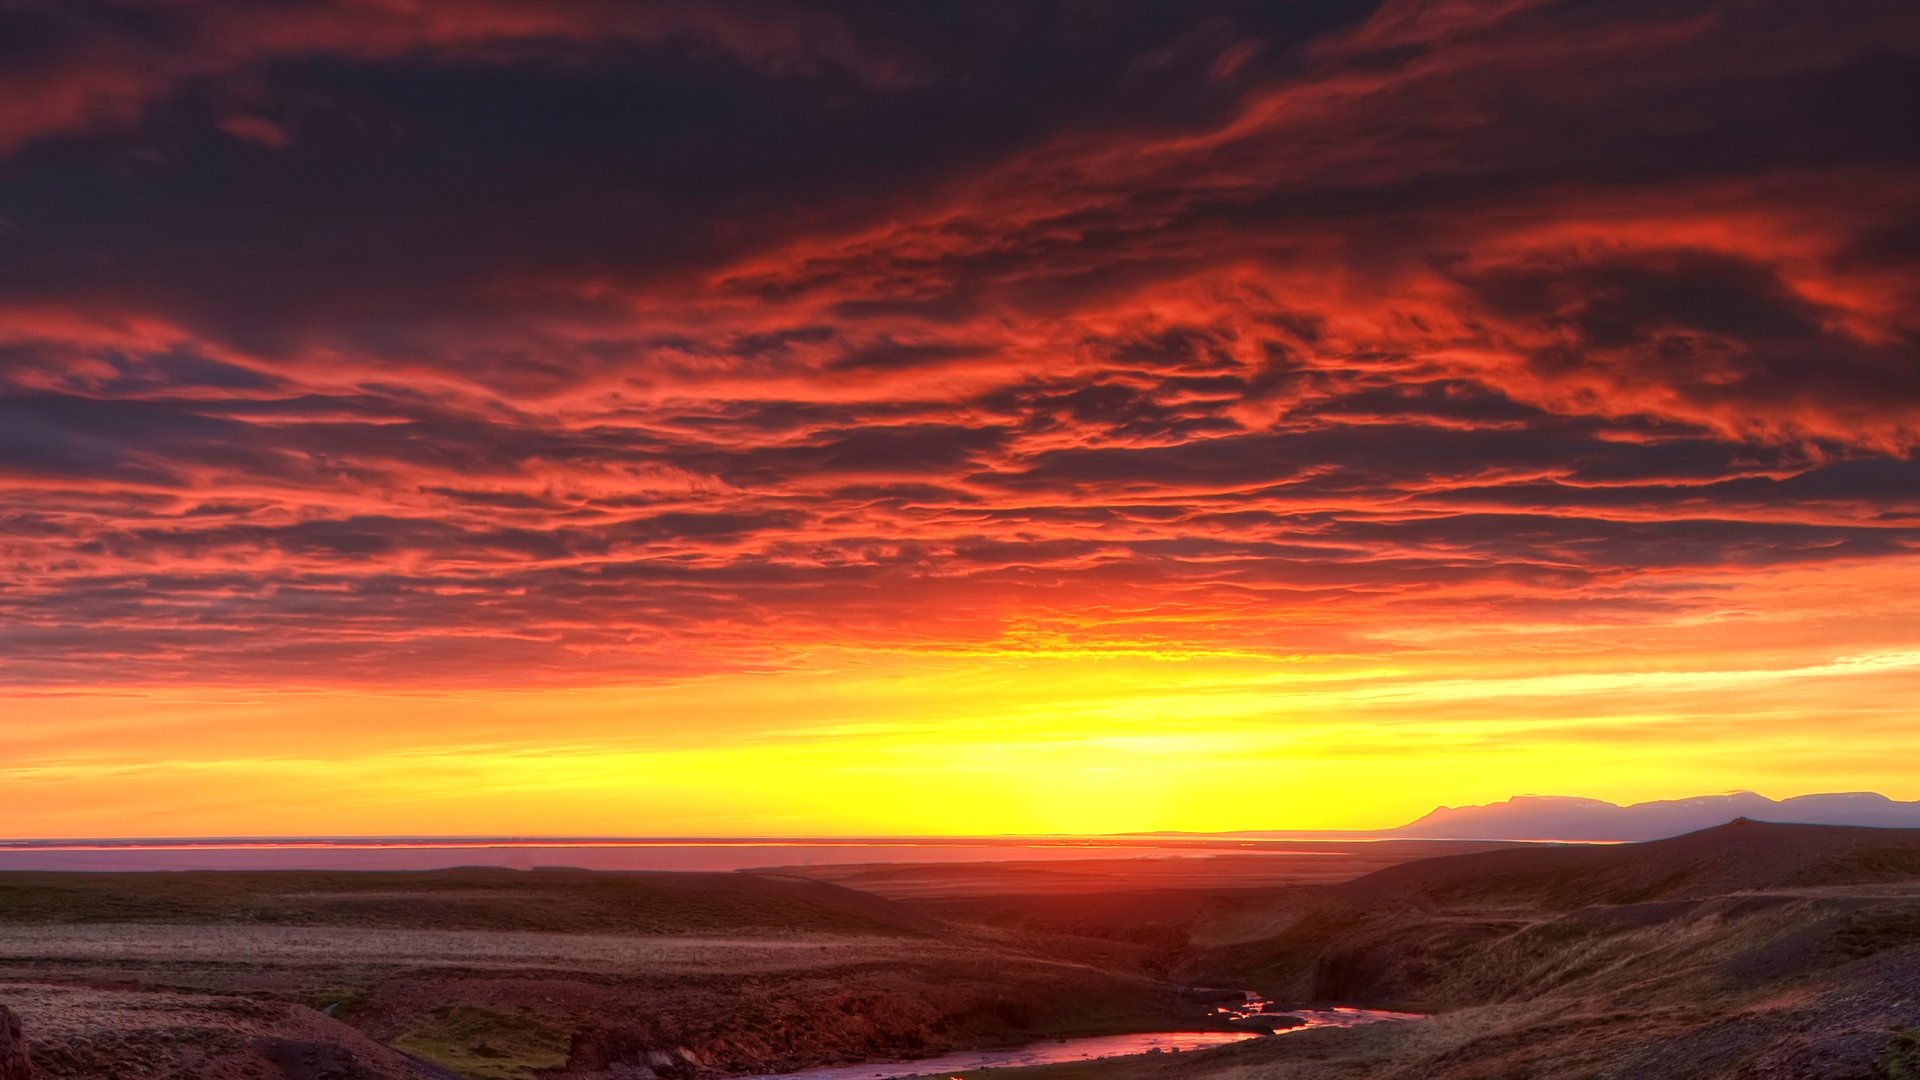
496, 346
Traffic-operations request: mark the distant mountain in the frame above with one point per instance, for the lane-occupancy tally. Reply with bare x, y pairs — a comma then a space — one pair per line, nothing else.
1557, 817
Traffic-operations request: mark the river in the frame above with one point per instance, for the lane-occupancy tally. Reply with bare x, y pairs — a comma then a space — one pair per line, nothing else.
1248, 1019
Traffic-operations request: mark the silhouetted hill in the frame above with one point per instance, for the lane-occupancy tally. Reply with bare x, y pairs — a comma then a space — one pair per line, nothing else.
1741, 856
1555, 817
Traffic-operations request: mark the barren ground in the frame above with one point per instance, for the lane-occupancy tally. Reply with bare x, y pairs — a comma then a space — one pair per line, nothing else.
1751, 952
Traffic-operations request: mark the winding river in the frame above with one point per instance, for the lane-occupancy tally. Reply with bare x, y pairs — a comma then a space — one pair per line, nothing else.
1249, 1019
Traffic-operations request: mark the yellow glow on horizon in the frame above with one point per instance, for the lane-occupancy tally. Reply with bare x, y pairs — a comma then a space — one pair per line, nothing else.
942, 747
1789, 691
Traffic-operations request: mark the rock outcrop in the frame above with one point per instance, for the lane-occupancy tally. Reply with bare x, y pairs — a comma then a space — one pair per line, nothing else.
626, 1055
14, 1063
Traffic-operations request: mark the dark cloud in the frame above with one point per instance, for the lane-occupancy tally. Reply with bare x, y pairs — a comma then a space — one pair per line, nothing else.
496, 339
1719, 331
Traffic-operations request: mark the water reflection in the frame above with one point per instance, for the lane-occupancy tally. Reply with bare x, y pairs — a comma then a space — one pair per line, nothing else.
1260, 1015
1251, 1017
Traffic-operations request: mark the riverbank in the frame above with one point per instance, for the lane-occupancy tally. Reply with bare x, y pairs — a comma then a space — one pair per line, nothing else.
1254, 1018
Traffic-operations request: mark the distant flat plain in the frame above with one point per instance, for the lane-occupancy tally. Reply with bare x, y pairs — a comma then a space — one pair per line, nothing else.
679, 854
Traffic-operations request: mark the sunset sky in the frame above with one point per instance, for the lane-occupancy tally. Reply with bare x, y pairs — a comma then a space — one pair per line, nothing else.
738, 417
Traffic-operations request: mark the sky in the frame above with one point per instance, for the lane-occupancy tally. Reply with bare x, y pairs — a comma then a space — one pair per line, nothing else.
758, 418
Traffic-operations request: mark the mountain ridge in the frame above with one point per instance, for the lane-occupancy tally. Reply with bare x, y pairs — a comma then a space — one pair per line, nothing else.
1563, 817
1572, 818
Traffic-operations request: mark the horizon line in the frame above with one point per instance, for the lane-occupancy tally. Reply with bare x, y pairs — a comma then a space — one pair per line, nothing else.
21, 843
24, 843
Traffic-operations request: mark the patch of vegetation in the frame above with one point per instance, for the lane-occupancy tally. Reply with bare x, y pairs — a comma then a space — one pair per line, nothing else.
484, 1045
339, 1002
1864, 865
1878, 930
1903, 1057
1288, 954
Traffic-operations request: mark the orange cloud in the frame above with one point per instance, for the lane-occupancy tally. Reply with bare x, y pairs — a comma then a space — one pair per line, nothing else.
1414, 402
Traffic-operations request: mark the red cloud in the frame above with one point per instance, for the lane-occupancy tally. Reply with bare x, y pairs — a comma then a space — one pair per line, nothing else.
514, 362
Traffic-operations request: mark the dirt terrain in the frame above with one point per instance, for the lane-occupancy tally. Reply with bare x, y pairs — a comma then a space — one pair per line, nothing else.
496, 974
1747, 952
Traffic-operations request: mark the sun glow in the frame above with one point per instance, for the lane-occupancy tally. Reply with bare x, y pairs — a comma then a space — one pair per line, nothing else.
862, 742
